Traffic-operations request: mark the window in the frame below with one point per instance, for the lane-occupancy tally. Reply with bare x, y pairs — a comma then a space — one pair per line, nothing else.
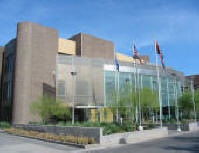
61, 88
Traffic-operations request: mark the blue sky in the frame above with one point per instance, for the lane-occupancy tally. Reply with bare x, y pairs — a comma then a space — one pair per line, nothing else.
173, 23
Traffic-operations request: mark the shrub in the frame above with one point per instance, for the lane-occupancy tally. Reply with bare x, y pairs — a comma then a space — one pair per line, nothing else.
172, 121
61, 123
50, 136
50, 110
110, 128
151, 126
184, 121
129, 126
4, 125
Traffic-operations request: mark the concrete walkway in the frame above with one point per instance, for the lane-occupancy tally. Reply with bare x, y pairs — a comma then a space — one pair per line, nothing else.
16, 144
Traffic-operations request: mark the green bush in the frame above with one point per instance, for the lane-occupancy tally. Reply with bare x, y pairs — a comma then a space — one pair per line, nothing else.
35, 123
184, 121
4, 124
61, 123
50, 110
128, 126
172, 121
151, 126
110, 128
91, 124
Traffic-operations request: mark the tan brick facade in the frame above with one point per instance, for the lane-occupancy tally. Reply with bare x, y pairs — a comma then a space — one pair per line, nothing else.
36, 51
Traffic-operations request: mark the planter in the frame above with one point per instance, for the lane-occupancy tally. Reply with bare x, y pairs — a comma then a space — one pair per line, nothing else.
184, 127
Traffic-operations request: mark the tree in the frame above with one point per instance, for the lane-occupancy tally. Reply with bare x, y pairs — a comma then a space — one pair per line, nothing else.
44, 106
48, 107
196, 98
127, 105
148, 101
62, 111
149, 98
186, 104
123, 102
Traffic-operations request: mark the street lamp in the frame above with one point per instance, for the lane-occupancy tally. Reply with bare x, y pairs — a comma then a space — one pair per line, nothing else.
73, 74
193, 100
176, 103
140, 128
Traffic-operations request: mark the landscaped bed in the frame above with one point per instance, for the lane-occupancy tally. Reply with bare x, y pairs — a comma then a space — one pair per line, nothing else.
50, 136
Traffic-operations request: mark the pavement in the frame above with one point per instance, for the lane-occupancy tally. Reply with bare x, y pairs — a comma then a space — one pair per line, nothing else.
175, 142
15, 144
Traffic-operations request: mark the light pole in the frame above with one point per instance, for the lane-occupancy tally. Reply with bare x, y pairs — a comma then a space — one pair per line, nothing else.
73, 73
136, 77
140, 113
193, 100
176, 103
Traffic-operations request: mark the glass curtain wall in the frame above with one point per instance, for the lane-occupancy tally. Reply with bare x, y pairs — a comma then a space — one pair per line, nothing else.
170, 88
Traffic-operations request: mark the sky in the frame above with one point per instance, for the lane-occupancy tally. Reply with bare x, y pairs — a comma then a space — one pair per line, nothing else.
173, 23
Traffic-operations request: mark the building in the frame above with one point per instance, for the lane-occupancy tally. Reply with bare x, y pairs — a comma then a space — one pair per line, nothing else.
79, 70
192, 81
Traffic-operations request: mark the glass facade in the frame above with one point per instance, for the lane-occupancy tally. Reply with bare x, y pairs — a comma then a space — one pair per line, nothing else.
96, 81
170, 86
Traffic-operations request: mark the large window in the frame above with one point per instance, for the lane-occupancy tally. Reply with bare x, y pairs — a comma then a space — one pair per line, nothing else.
169, 86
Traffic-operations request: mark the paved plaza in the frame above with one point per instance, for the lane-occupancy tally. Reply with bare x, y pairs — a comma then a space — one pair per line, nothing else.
187, 142
16, 144
180, 143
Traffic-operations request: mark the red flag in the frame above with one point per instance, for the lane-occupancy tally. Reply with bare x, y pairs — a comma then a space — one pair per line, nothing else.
158, 51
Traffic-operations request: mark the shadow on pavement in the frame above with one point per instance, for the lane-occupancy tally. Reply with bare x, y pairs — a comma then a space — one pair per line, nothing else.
192, 148
193, 144
188, 139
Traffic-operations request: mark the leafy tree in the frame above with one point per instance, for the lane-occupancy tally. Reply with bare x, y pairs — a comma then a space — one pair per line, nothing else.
196, 98
44, 107
123, 102
148, 101
62, 111
186, 103
128, 101
48, 107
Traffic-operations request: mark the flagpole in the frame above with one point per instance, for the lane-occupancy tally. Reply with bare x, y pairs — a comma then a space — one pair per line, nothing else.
193, 100
176, 101
140, 114
116, 86
118, 93
159, 86
136, 77
135, 86
168, 98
